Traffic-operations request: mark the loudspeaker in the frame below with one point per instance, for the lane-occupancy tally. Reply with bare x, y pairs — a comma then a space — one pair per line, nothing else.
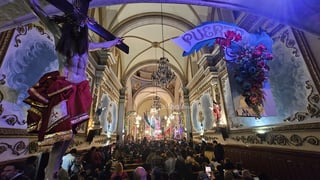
224, 133
91, 134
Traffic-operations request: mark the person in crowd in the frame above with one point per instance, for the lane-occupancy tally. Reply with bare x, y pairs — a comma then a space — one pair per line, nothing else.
13, 172
62, 174
118, 172
218, 151
68, 160
30, 167
246, 175
155, 159
203, 176
228, 175
190, 161
191, 166
238, 170
157, 173
106, 170
180, 166
219, 173
77, 167
170, 162
66, 90
140, 173
228, 164
92, 160
175, 176
202, 160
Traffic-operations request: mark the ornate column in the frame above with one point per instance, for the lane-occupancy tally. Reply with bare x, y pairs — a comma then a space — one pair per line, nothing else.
121, 113
188, 113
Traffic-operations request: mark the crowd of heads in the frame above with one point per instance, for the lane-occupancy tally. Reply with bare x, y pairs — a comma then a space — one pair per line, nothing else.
151, 160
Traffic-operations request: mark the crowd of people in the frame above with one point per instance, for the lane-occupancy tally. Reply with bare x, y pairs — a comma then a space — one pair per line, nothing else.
145, 160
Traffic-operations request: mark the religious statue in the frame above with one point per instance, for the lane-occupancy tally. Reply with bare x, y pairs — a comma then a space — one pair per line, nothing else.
61, 100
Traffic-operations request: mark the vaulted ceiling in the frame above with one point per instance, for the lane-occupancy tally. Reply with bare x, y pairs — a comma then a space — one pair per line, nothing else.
148, 25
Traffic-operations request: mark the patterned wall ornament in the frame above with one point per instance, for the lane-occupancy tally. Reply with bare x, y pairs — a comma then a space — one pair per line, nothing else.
313, 108
289, 43
278, 139
19, 148
10, 119
22, 31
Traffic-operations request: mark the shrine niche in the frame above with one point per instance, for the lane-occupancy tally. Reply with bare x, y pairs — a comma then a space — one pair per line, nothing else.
108, 114
203, 117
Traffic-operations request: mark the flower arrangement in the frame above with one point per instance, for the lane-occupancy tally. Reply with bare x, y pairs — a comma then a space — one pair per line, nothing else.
252, 73
252, 69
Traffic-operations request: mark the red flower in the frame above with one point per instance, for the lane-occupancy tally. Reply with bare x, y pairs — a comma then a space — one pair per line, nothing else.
238, 37
254, 99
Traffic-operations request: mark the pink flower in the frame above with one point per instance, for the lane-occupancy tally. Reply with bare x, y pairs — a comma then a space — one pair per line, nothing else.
230, 34
257, 53
269, 56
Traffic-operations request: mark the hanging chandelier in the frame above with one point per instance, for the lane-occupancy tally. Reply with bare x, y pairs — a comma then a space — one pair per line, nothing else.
163, 75
156, 106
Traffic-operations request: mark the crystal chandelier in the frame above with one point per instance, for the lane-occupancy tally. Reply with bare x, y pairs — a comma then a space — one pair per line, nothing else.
163, 76
156, 106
